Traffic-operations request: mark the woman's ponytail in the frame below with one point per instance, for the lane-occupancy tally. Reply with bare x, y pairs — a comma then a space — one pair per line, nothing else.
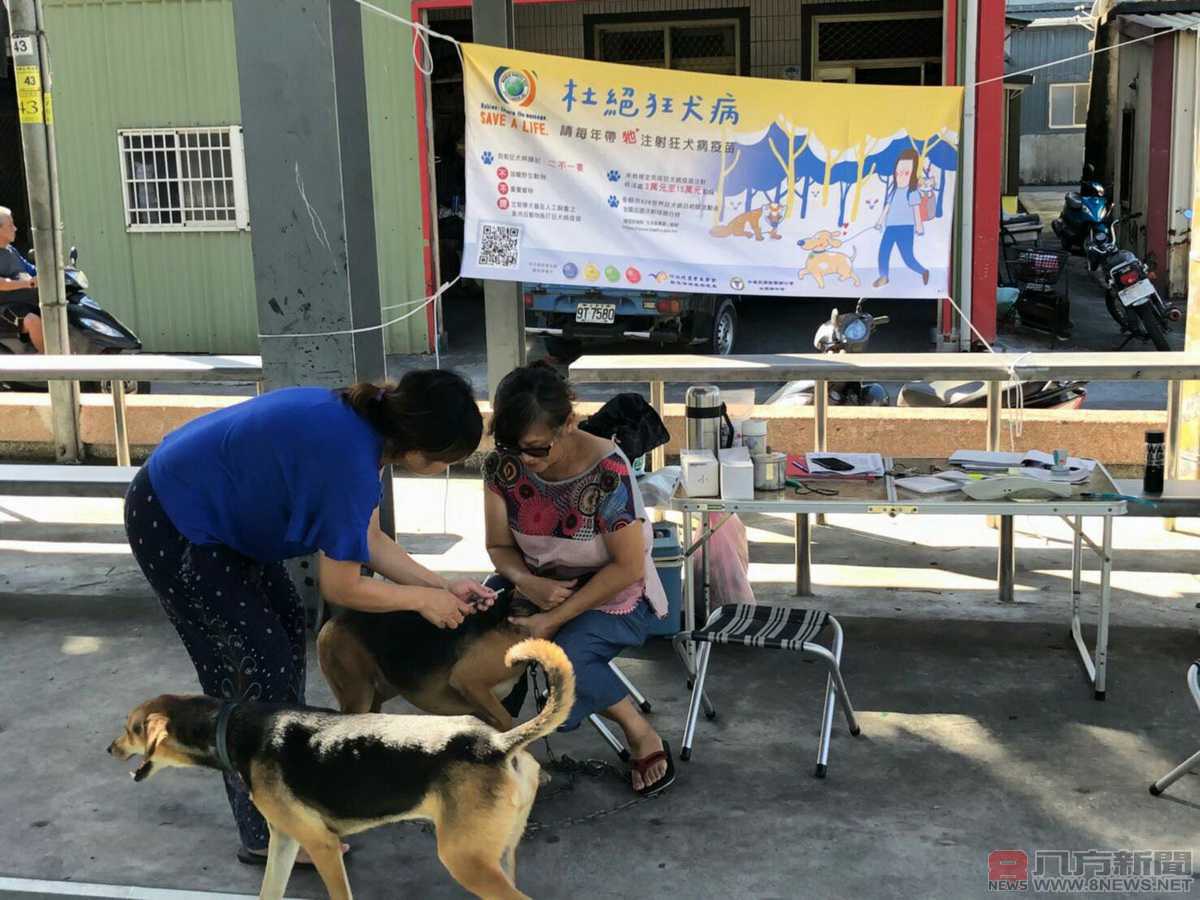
432, 411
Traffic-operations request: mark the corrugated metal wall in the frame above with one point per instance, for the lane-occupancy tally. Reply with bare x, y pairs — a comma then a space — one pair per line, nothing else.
160, 63
1034, 46
148, 64
391, 99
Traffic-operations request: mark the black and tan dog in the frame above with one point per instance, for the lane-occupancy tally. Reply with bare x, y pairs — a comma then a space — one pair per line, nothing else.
369, 658
317, 775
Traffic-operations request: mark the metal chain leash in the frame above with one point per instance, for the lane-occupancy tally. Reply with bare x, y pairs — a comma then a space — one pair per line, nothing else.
574, 769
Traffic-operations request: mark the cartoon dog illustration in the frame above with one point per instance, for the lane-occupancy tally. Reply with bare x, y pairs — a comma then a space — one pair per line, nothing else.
748, 224
823, 262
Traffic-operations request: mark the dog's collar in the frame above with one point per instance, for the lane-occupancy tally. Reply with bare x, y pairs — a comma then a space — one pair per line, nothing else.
222, 736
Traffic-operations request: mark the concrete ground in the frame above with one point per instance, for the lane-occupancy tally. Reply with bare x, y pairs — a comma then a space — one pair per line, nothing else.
979, 732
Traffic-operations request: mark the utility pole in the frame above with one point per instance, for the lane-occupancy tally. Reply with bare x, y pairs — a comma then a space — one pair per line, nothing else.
308, 174
31, 65
492, 22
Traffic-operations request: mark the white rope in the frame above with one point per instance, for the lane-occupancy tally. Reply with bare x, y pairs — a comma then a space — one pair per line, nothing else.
421, 36
1092, 52
424, 302
1016, 420
424, 62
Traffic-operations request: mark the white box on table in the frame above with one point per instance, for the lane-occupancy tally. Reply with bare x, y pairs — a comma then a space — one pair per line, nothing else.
701, 473
737, 478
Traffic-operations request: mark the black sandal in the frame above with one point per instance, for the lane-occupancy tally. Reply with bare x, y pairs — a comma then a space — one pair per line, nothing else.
641, 765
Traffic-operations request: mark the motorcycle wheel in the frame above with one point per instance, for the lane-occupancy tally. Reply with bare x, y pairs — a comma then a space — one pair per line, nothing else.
1153, 327
1120, 314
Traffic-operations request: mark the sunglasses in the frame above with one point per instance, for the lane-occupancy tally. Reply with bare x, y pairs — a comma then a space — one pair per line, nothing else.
531, 452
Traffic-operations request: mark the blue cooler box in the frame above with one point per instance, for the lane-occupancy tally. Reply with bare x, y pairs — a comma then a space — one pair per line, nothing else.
668, 559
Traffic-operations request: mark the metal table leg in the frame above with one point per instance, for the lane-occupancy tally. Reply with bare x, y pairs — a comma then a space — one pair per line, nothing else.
689, 597
1007, 567
1076, 567
1105, 610
803, 556
1096, 665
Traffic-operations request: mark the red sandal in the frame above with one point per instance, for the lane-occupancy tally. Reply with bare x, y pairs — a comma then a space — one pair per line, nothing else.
646, 762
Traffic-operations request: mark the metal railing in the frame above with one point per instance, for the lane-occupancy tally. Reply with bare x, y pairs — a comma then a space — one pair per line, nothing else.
993, 368
135, 367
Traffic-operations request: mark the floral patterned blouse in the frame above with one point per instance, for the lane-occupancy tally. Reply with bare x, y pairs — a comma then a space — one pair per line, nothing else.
559, 526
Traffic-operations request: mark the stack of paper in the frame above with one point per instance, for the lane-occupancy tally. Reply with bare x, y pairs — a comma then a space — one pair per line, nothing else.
928, 484
1034, 463
845, 465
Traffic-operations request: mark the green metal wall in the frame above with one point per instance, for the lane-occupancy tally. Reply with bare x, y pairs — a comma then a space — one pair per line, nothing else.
391, 94
162, 63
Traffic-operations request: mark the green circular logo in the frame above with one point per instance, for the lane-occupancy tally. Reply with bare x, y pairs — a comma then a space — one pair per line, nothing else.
514, 85
612, 273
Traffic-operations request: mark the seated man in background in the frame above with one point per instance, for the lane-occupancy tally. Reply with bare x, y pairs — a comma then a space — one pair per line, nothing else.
18, 274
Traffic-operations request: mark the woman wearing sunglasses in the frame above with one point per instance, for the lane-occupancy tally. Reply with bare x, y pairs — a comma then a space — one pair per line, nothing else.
225, 499
566, 526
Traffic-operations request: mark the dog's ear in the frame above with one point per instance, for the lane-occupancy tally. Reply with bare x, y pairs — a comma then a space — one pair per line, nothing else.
156, 733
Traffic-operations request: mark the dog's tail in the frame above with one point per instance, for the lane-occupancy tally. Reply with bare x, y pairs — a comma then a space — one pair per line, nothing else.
562, 693
853, 254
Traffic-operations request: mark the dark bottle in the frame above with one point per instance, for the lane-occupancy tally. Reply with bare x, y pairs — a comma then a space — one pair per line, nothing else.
1152, 480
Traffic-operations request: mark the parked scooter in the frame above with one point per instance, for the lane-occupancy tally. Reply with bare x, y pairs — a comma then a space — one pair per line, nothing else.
973, 394
843, 333
1086, 226
92, 329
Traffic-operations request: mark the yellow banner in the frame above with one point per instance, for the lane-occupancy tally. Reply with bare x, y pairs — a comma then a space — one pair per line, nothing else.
581, 171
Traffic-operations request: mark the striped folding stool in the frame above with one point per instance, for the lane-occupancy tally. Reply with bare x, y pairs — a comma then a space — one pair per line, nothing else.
1193, 683
774, 628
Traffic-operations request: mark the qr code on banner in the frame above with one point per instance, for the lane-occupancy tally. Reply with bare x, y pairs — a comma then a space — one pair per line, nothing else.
499, 245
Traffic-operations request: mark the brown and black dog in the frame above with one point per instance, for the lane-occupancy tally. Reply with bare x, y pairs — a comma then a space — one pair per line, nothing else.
317, 776
369, 658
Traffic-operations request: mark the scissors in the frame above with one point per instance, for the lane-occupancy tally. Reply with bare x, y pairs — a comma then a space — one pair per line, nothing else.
801, 488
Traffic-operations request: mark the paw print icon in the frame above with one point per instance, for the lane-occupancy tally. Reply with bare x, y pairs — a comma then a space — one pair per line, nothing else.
613, 201
614, 175
487, 157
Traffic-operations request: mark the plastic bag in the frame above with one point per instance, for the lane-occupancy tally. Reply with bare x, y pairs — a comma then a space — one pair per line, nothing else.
728, 568
657, 487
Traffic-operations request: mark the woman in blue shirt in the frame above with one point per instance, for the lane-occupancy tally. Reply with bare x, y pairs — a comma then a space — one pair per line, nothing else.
900, 220
225, 499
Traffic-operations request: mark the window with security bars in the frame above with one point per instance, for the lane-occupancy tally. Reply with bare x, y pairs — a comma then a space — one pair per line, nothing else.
184, 179
711, 46
872, 37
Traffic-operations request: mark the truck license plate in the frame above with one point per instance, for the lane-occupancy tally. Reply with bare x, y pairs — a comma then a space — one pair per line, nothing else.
595, 313
1135, 292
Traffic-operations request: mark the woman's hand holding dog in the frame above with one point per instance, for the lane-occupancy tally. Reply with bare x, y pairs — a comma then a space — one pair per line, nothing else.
546, 593
542, 625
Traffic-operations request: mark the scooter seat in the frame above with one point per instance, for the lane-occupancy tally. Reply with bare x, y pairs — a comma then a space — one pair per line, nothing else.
1074, 200
943, 393
1016, 221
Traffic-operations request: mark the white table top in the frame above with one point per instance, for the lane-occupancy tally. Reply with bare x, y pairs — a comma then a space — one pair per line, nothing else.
880, 496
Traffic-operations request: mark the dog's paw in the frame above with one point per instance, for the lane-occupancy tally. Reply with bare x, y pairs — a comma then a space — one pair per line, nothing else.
614, 175
613, 201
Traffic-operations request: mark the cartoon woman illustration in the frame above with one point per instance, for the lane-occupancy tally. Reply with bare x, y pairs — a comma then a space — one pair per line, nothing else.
901, 219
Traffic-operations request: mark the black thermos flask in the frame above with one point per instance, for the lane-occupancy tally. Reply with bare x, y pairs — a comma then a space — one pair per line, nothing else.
1152, 480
